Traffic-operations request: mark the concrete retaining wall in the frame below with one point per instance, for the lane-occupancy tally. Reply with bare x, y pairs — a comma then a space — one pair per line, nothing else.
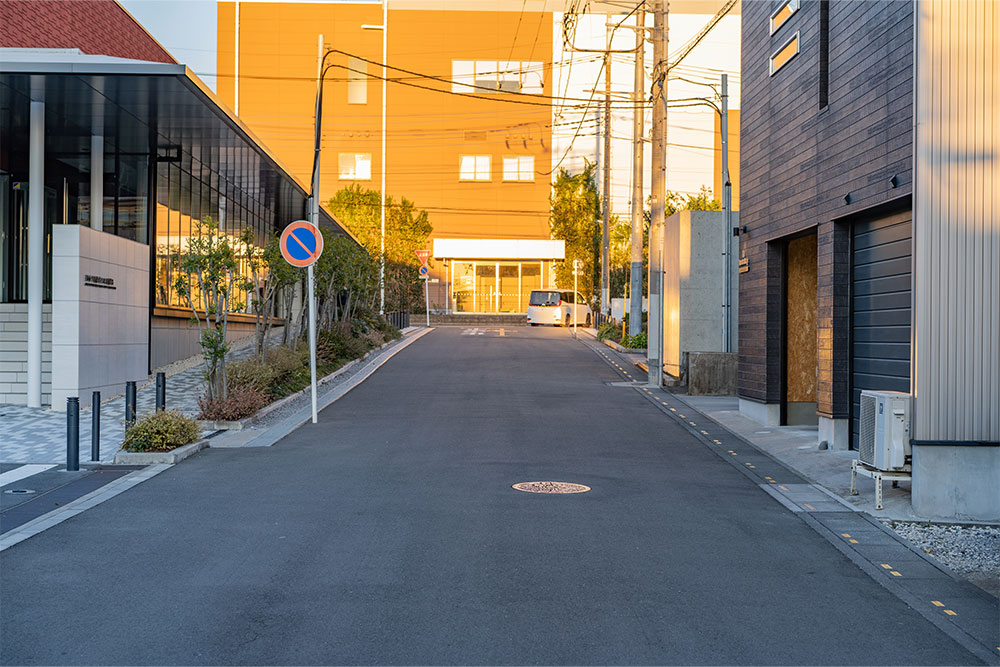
956, 481
14, 353
711, 373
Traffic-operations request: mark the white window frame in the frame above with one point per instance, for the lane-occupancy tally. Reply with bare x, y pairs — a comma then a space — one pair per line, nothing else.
481, 168
793, 6
485, 77
349, 166
357, 81
518, 168
798, 47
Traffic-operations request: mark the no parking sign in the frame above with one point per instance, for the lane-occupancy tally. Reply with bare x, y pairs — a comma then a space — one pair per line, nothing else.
301, 243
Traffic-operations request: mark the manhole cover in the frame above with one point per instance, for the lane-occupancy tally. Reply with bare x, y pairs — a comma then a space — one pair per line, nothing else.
551, 487
19, 492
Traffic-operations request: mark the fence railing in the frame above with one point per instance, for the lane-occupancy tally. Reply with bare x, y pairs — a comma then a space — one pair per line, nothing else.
399, 318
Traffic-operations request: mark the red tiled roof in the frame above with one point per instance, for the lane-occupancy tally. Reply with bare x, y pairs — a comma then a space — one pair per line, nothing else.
96, 27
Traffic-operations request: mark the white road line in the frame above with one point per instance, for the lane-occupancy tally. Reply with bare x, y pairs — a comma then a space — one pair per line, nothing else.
12, 476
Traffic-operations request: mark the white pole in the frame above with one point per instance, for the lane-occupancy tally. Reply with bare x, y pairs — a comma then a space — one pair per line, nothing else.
639, 95
574, 298
36, 238
654, 353
381, 261
97, 157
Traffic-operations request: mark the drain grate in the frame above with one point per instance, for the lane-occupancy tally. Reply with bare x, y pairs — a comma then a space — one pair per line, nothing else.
19, 492
551, 487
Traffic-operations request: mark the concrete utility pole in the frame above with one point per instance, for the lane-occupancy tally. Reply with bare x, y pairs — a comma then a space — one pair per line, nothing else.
606, 195
654, 354
727, 208
639, 95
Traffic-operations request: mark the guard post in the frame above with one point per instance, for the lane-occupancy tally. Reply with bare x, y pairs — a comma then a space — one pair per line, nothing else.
95, 426
72, 433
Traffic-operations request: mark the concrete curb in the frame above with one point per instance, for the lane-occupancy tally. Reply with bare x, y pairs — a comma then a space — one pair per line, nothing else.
81, 504
124, 458
624, 350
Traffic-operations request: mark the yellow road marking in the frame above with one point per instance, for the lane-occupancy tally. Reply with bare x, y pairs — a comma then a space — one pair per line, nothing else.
673, 409
767, 477
718, 442
771, 481
853, 541
783, 488
895, 574
704, 432
845, 534
887, 566
950, 612
681, 416
809, 506
692, 423
936, 603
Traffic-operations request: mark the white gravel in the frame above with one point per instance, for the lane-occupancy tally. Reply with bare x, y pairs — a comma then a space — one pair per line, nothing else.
972, 551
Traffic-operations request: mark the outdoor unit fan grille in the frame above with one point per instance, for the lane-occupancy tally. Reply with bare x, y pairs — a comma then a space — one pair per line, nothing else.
866, 434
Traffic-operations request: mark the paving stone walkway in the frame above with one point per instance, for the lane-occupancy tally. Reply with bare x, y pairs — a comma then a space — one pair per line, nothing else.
38, 435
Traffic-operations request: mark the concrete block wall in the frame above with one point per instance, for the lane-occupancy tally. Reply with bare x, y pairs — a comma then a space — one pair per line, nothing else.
14, 353
102, 338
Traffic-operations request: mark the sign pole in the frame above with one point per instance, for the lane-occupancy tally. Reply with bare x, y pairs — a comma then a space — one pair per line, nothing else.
312, 340
574, 298
427, 301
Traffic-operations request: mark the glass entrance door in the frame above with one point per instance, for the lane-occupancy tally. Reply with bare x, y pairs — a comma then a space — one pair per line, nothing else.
494, 287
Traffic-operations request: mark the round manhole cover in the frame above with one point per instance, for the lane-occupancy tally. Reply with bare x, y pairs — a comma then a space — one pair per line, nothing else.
551, 487
19, 492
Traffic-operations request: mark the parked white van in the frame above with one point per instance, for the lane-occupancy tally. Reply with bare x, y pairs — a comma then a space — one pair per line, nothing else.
558, 307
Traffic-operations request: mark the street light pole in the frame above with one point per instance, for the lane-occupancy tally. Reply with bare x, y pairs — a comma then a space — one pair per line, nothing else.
381, 259
314, 219
654, 354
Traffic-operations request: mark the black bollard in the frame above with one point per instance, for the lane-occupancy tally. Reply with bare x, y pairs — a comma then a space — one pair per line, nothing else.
95, 426
129, 404
72, 433
161, 392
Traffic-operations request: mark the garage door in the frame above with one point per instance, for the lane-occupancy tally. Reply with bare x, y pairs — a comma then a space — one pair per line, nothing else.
880, 308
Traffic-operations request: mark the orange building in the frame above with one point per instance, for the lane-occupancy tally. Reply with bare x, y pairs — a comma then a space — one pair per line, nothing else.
468, 132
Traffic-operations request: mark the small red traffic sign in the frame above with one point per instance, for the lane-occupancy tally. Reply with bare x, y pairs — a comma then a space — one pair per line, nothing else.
422, 255
301, 243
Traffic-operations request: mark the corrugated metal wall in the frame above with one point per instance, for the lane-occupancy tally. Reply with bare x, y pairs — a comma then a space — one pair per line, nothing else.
956, 193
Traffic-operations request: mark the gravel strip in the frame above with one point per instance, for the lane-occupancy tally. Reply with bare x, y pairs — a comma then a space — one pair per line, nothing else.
972, 551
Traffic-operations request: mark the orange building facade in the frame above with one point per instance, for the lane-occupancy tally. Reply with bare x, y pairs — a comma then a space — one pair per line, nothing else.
468, 125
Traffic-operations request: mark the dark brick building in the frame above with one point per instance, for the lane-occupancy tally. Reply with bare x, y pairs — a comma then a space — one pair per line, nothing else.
826, 161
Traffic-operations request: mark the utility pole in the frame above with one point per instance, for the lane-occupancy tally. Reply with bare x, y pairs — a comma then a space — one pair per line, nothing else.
727, 208
606, 219
659, 192
639, 96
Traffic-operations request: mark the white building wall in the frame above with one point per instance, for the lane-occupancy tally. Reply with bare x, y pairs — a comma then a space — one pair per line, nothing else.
101, 336
14, 353
956, 192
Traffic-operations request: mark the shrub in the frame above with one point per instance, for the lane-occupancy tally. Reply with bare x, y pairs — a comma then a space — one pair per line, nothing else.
337, 343
250, 374
637, 341
373, 338
285, 360
160, 432
239, 404
609, 331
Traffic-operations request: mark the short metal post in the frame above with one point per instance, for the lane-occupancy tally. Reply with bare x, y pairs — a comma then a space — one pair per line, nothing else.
95, 426
72, 433
161, 392
129, 404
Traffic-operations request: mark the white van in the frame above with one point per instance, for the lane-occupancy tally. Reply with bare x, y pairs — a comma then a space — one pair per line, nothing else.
558, 307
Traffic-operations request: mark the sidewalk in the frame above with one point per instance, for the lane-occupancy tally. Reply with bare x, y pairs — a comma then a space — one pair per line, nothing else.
38, 435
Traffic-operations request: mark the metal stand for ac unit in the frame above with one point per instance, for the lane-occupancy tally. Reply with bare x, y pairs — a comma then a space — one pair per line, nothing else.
859, 468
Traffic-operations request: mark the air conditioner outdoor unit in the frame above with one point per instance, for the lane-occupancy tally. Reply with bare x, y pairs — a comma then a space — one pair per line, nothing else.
884, 435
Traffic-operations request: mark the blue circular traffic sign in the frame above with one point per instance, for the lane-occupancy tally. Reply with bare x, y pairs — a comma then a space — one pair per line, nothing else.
301, 243
423, 270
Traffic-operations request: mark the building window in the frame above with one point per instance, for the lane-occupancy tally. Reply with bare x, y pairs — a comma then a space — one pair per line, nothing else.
785, 53
357, 81
519, 168
783, 13
355, 166
474, 168
497, 76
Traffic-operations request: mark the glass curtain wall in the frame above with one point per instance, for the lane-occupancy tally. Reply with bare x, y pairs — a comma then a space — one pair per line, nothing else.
494, 287
189, 192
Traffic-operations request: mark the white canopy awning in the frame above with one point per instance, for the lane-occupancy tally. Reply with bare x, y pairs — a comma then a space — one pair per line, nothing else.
510, 249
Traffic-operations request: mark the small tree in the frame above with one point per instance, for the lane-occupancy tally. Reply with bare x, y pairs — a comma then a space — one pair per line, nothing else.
406, 229
573, 218
346, 280
270, 274
207, 277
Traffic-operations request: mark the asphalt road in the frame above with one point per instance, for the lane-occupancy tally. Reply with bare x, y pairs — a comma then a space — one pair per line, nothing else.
389, 534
